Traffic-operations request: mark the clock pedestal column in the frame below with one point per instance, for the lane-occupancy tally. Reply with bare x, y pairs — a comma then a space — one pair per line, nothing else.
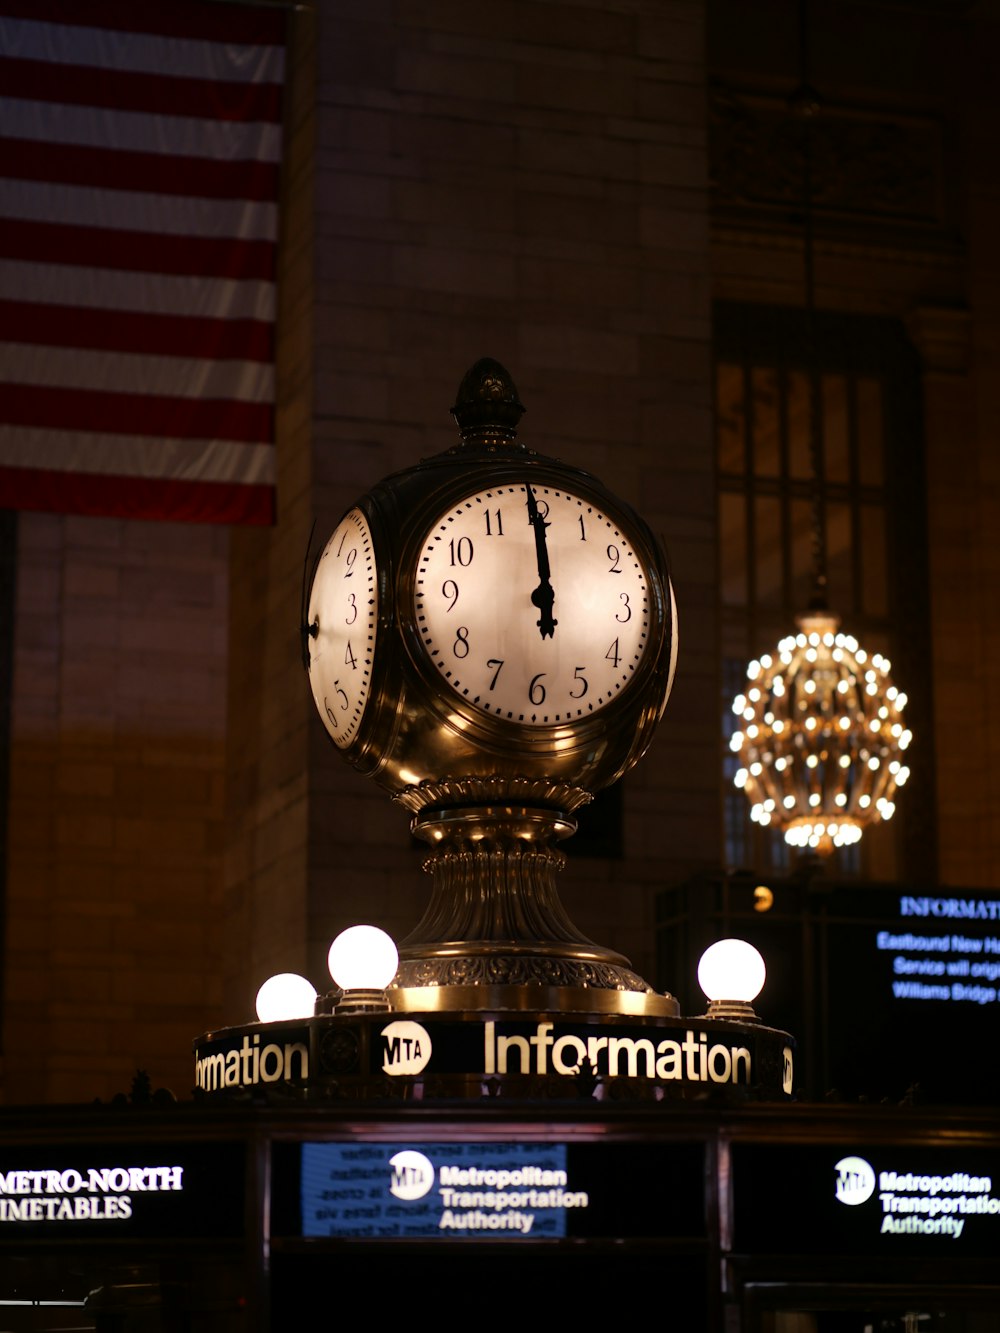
495, 934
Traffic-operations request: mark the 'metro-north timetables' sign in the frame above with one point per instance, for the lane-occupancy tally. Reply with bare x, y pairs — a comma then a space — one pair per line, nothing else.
674, 1057
89, 1193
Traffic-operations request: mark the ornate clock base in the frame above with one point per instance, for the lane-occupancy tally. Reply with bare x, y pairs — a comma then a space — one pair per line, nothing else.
495, 935
529, 996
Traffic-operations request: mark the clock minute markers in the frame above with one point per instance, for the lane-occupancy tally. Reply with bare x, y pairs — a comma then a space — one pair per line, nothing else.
543, 596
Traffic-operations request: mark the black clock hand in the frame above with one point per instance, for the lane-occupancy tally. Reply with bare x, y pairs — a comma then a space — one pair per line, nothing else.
543, 596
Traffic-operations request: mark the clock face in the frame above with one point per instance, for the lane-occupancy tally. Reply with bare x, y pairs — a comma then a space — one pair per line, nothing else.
532, 604
344, 606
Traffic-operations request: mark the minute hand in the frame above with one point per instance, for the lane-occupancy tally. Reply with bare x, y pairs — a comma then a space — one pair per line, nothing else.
543, 596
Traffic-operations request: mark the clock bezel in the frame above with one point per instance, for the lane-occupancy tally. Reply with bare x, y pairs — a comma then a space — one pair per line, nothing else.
490, 730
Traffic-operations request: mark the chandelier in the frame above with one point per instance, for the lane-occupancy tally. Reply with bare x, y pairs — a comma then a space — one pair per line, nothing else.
820, 737
821, 730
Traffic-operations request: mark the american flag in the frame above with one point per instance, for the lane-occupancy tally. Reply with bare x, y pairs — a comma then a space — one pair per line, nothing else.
139, 152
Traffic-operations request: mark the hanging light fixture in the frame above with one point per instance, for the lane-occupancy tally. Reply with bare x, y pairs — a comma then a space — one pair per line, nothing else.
820, 732
821, 736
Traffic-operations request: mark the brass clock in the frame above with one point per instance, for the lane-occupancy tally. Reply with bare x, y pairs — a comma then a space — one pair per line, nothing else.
491, 615
492, 637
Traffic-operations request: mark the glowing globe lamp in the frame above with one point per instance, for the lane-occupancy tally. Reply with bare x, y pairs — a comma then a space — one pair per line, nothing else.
362, 962
285, 996
731, 973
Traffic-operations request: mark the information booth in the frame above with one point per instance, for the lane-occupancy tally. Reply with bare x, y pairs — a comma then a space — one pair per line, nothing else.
740, 1218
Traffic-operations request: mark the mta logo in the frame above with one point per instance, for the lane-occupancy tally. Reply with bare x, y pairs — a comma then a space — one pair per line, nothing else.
406, 1047
411, 1174
855, 1180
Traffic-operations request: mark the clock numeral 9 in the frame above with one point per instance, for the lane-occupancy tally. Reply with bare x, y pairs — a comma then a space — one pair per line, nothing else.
614, 555
450, 589
536, 690
461, 645
461, 551
583, 681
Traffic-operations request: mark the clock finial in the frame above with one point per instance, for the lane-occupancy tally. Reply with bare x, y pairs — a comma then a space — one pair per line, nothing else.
487, 407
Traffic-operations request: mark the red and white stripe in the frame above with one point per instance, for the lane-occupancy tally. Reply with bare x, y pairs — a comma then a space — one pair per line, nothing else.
139, 155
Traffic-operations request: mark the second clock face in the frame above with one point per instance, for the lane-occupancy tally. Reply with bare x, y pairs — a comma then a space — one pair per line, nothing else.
532, 604
344, 608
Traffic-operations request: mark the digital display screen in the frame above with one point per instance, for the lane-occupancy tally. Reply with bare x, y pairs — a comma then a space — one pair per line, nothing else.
889, 991
913, 998
889, 1200
458, 1191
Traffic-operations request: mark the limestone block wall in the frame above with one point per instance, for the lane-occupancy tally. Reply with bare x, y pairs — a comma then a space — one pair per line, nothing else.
115, 821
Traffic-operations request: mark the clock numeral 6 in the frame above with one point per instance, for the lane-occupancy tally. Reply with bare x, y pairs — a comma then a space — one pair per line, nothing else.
461, 645
536, 690
583, 682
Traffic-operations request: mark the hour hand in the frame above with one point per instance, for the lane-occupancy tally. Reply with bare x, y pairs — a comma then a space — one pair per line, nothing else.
543, 596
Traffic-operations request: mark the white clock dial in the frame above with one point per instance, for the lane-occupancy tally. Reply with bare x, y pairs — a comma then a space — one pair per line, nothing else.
532, 604
344, 608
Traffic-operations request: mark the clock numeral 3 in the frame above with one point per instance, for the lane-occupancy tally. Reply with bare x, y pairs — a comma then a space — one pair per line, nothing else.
623, 620
349, 620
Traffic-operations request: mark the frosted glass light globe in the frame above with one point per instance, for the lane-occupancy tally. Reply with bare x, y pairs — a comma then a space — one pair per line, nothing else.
283, 996
731, 970
363, 958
